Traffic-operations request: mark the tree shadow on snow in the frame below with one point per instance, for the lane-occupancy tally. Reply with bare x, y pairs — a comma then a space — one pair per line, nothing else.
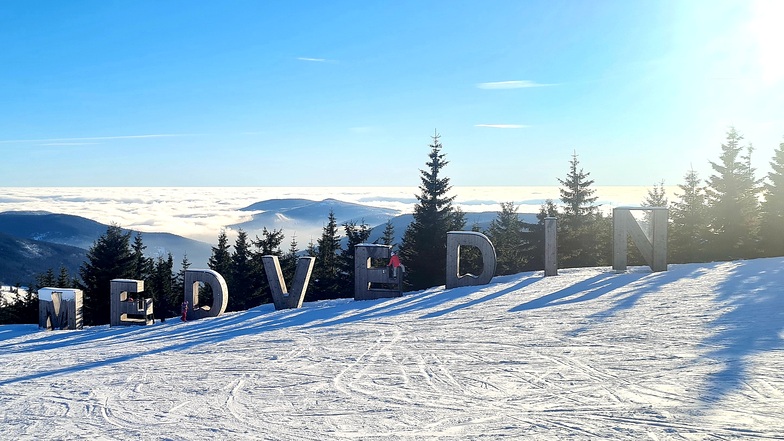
753, 297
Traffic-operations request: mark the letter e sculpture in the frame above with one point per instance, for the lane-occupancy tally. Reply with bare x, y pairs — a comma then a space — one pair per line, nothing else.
375, 282
127, 310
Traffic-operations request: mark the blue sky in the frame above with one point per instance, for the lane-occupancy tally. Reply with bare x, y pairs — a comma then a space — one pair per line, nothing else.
256, 93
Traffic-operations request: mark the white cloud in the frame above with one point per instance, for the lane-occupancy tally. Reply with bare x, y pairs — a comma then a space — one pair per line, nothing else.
502, 126
315, 60
517, 84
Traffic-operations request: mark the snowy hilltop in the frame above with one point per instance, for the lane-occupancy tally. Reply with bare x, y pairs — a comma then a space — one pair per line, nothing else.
691, 353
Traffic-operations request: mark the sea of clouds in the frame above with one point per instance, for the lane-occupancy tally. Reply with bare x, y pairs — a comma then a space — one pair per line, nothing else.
201, 212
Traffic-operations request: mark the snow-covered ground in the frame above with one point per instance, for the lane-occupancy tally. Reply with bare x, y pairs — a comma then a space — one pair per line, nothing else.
692, 353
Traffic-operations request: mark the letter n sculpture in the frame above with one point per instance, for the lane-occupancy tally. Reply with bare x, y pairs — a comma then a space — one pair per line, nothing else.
127, 309
60, 308
653, 249
220, 293
282, 298
457, 239
375, 282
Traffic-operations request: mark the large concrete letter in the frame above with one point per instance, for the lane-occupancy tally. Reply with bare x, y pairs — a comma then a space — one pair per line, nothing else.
288, 299
60, 308
220, 293
456, 239
375, 282
550, 246
654, 251
125, 310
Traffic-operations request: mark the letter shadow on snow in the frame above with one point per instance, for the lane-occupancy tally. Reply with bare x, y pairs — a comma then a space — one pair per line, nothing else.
425, 300
646, 282
588, 289
753, 297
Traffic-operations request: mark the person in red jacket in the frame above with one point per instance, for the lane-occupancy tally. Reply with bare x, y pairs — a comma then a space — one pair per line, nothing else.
184, 310
394, 263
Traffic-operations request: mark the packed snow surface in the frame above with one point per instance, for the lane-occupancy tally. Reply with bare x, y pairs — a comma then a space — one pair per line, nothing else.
691, 353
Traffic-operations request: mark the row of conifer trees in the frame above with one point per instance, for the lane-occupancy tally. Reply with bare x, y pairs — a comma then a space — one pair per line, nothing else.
732, 215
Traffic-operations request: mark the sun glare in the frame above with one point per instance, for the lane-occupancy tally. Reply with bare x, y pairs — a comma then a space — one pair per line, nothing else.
766, 27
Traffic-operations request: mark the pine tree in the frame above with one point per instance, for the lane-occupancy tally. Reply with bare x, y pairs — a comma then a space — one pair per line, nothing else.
267, 245
64, 279
47, 280
732, 202
355, 235
772, 210
656, 197
109, 258
142, 264
243, 276
578, 243
160, 287
220, 260
178, 283
288, 264
325, 282
388, 237
687, 237
507, 233
423, 249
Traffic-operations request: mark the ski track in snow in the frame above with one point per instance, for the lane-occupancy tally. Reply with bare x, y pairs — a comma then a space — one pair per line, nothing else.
691, 353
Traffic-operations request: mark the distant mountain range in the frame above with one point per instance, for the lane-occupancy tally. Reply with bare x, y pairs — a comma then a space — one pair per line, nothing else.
21, 260
306, 218
72, 232
32, 242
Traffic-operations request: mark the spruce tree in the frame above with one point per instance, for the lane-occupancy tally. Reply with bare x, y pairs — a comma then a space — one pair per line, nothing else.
656, 197
288, 264
109, 258
579, 240
772, 210
688, 216
47, 280
423, 249
220, 260
355, 235
243, 276
64, 279
160, 287
388, 237
732, 202
178, 282
507, 233
142, 264
267, 245
325, 282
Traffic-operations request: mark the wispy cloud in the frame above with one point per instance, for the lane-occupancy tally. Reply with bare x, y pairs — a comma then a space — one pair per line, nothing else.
74, 141
316, 60
502, 126
517, 84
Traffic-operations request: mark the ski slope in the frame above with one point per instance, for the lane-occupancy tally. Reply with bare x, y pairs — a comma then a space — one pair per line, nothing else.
691, 353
